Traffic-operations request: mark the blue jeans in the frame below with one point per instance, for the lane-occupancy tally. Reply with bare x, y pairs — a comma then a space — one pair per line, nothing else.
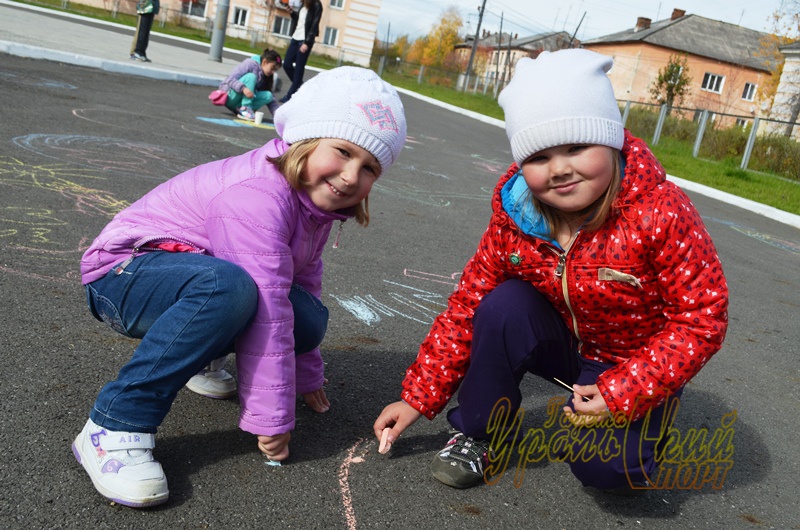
188, 310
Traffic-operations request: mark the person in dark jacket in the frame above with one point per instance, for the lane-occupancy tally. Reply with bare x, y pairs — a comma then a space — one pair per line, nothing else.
304, 30
147, 11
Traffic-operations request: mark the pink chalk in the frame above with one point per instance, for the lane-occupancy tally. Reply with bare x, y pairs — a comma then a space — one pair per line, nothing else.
385, 445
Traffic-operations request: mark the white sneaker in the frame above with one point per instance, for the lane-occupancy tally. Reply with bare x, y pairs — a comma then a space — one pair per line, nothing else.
213, 381
121, 465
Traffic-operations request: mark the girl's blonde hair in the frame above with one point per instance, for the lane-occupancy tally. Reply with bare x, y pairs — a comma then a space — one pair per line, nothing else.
596, 214
292, 164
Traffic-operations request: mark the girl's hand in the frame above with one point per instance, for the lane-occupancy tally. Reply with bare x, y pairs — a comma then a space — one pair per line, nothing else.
247, 92
587, 413
317, 400
275, 447
399, 416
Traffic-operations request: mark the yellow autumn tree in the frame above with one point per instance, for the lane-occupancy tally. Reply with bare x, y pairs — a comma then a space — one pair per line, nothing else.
433, 49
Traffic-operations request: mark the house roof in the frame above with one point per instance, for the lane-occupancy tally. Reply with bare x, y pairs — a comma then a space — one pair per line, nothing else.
791, 48
550, 41
701, 36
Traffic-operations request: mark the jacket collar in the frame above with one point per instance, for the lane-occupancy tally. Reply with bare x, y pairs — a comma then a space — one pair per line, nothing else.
511, 194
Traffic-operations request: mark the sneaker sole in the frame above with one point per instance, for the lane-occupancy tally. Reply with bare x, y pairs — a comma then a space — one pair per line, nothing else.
155, 500
446, 479
205, 393
442, 471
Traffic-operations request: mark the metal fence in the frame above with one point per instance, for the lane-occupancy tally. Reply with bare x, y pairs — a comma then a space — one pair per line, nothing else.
754, 143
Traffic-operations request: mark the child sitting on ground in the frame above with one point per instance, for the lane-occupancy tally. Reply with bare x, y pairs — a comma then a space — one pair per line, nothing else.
249, 85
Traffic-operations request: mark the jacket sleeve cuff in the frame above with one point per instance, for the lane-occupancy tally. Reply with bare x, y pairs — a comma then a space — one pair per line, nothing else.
310, 372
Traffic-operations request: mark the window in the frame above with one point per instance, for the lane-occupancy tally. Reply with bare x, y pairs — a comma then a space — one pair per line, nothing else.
338, 4
749, 92
713, 83
741, 122
281, 26
239, 16
193, 8
330, 36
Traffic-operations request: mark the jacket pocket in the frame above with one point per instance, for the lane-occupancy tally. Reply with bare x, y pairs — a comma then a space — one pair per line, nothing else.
607, 274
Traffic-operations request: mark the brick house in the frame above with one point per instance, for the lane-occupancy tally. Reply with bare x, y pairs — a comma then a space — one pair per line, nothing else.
726, 62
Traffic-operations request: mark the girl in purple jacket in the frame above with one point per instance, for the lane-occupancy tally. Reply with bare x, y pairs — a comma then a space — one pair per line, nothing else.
227, 257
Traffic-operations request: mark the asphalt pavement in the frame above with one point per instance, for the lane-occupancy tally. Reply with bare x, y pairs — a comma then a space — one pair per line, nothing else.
86, 131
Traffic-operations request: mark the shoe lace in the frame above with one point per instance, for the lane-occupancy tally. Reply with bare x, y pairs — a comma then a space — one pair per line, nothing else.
468, 449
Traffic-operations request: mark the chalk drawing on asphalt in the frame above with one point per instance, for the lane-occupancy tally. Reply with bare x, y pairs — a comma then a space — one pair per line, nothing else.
402, 300
42, 236
30, 81
133, 159
783, 244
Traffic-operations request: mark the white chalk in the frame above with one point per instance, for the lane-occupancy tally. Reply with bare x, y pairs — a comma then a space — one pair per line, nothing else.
272, 463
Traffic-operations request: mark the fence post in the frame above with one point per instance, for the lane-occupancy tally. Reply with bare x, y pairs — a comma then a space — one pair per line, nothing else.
419, 76
381, 64
748, 150
626, 112
701, 130
661, 117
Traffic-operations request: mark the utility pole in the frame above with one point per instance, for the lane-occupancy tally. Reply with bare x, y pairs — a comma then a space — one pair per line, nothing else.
572, 38
497, 59
474, 46
218, 36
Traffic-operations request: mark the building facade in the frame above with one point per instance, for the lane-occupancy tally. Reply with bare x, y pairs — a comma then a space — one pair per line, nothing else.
346, 33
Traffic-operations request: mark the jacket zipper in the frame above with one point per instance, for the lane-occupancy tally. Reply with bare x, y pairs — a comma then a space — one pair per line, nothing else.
560, 272
144, 241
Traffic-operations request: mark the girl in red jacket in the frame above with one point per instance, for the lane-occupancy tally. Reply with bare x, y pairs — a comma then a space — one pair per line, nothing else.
594, 270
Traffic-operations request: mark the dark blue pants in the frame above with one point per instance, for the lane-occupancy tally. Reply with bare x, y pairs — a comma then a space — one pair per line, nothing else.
517, 331
142, 36
294, 64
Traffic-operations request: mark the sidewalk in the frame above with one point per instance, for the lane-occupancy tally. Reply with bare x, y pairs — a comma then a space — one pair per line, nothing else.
38, 33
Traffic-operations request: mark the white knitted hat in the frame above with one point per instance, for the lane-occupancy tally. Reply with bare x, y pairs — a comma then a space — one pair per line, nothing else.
349, 103
559, 98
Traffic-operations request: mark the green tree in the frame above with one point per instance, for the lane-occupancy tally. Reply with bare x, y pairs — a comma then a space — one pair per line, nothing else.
672, 83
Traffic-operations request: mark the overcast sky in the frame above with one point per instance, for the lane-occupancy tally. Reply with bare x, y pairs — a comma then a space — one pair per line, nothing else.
530, 17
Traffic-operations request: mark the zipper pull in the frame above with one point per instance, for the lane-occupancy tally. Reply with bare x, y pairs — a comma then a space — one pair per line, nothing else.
121, 267
562, 261
338, 234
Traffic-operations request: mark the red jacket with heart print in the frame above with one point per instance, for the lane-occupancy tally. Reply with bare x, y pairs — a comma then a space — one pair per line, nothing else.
645, 292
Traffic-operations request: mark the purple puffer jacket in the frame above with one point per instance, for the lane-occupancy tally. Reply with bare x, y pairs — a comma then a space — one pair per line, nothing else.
243, 210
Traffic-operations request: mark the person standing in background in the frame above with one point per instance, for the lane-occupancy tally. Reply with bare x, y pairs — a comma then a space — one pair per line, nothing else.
304, 30
147, 11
